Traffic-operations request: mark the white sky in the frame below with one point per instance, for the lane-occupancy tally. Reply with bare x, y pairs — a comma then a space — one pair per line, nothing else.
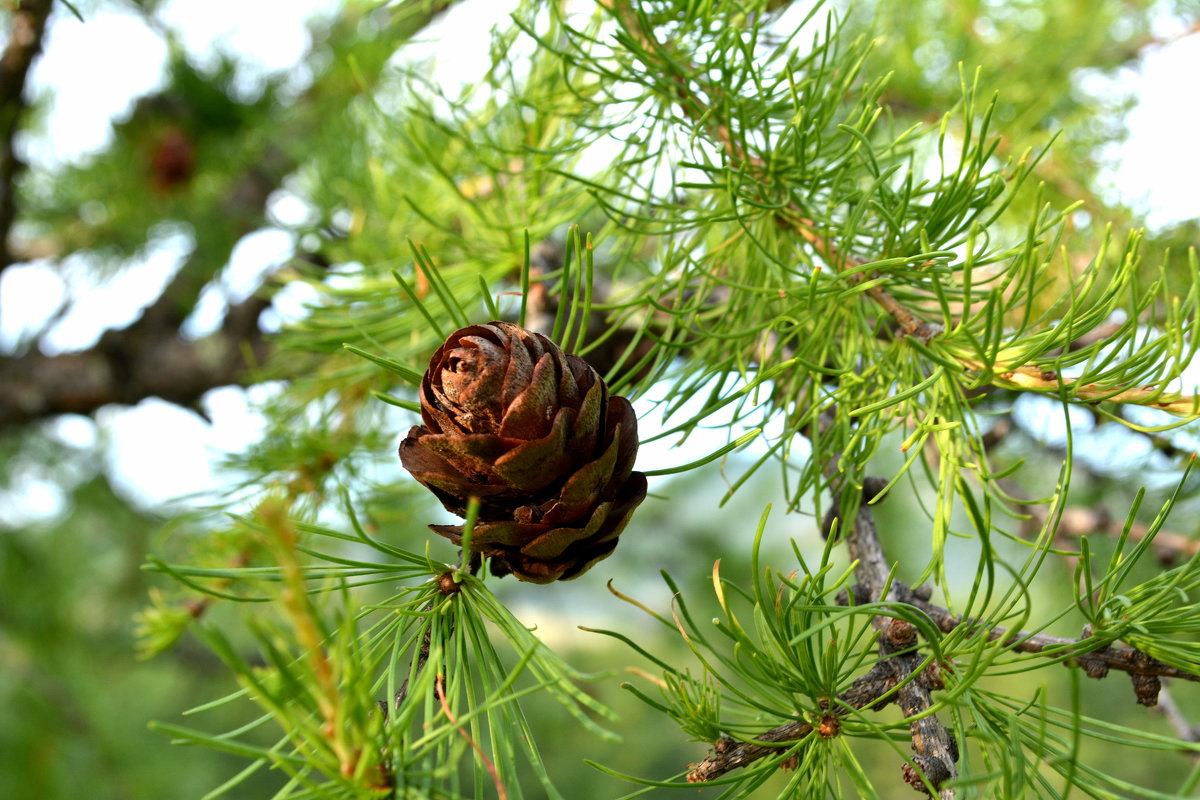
97, 68
1160, 164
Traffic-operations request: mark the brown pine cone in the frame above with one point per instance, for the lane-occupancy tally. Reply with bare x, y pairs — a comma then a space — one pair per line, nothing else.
530, 431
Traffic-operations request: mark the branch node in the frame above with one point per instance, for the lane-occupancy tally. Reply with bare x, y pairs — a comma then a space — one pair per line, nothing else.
931, 678
926, 331
898, 634
447, 585
829, 726
1146, 688
936, 772
1094, 669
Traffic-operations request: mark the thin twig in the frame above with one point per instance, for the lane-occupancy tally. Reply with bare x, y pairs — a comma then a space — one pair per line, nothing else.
447, 585
730, 754
1096, 660
1036, 379
440, 689
791, 215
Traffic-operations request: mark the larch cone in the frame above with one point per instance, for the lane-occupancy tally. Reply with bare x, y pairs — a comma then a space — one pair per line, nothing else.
533, 433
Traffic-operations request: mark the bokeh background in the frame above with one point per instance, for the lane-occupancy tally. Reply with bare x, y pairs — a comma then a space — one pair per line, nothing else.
170, 142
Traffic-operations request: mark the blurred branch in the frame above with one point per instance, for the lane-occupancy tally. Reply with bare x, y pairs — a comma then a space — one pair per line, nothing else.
24, 43
1179, 722
147, 359
1079, 521
150, 358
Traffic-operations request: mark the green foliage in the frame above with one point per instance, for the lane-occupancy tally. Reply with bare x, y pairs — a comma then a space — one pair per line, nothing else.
825, 236
328, 660
784, 649
77, 703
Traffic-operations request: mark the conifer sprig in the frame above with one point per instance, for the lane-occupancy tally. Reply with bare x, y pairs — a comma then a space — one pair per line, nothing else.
771, 251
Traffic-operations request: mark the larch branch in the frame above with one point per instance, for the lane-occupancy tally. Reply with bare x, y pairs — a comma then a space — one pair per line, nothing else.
936, 748
147, 359
1013, 376
1095, 659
